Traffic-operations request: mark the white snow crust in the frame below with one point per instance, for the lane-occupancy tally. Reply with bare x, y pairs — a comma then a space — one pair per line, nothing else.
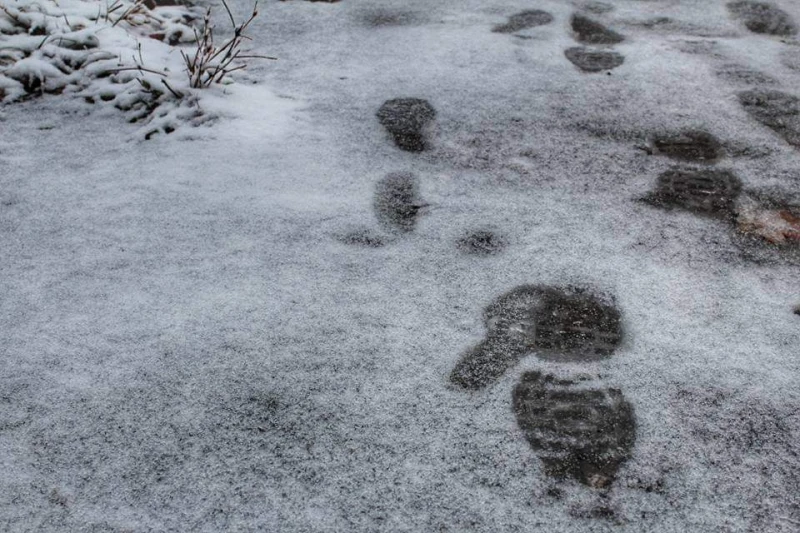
188, 345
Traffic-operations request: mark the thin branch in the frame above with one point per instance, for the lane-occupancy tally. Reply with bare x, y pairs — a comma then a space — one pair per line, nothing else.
173, 91
139, 68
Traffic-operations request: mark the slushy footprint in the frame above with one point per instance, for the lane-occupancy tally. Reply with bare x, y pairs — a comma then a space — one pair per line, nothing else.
763, 17
777, 110
767, 226
703, 191
524, 20
407, 119
591, 60
579, 428
560, 324
588, 31
397, 202
742, 75
696, 146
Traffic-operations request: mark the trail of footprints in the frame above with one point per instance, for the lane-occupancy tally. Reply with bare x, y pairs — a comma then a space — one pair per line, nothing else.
580, 428
770, 225
596, 57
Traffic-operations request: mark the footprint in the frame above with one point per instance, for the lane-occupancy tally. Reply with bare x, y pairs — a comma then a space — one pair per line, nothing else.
482, 242
598, 7
766, 226
740, 74
524, 20
589, 60
397, 202
578, 428
588, 31
704, 191
386, 18
689, 145
557, 324
790, 58
763, 17
406, 119
775, 109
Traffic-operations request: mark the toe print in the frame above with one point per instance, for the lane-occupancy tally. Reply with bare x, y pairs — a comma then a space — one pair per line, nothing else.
397, 202
406, 120
704, 191
762, 17
524, 20
588, 31
589, 60
364, 238
557, 324
691, 145
482, 242
775, 109
579, 429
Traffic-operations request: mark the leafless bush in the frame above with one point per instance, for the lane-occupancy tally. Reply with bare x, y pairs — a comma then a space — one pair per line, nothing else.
211, 63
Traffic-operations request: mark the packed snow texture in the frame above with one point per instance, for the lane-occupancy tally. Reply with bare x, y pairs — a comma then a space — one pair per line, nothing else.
215, 332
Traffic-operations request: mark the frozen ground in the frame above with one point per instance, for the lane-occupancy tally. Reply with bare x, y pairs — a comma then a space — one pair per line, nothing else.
192, 343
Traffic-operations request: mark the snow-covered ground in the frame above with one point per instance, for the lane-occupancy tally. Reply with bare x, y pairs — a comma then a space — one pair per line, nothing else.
192, 340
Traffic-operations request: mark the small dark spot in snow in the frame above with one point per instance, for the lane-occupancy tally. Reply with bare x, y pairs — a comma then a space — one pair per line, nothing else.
362, 238
555, 493
481, 242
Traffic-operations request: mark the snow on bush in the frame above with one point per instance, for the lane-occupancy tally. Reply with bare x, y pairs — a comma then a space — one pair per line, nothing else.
129, 54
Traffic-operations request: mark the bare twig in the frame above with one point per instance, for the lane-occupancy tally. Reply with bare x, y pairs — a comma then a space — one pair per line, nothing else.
211, 63
138, 67
173, 91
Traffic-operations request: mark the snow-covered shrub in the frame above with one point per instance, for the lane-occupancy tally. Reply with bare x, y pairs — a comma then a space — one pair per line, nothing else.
128, 54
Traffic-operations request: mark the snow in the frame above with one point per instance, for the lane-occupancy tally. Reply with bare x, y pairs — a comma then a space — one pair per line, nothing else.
190, 346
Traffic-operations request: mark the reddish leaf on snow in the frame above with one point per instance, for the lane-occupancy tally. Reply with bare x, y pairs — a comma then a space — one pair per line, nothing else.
776, 225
